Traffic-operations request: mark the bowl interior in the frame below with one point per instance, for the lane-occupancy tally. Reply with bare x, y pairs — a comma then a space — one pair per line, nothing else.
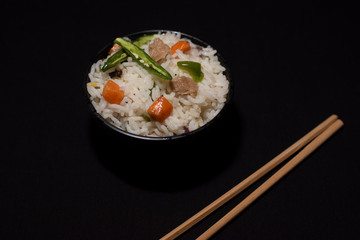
103, 54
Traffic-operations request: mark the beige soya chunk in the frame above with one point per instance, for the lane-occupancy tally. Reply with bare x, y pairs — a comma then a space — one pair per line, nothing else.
158, 50
184, 86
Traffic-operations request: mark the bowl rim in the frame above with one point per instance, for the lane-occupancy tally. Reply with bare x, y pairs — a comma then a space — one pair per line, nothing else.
166, 138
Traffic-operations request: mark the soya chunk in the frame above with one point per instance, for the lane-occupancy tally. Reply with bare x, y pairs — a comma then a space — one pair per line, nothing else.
158, 50
184, 85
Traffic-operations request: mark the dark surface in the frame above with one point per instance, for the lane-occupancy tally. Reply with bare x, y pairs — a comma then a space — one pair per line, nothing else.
64, 177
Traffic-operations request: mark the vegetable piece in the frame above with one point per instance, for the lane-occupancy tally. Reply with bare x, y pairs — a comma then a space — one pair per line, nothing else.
112, 93
116, 74
181, 45
143, 40
194, 69
118, 57
146, 118
160, 109
116, 47
143, 59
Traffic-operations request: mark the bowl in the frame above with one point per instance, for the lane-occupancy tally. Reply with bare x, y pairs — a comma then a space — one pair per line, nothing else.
103, 54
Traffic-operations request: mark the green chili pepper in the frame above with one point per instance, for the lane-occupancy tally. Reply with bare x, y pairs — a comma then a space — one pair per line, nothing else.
143, 40
146, 118
118, 57
143, 59
194, 69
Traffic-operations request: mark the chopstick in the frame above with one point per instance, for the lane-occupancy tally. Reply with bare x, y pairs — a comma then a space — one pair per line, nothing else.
322, 132
273, 179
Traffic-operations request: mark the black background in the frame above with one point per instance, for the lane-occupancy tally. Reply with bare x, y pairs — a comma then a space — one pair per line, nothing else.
64, 177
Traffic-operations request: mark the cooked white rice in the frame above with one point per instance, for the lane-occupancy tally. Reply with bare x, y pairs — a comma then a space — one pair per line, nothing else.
188, 113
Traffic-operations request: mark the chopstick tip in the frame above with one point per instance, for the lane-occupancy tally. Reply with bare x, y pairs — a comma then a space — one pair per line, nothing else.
335, 116
340, 122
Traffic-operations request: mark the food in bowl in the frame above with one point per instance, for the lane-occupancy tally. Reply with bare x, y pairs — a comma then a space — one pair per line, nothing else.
158, 85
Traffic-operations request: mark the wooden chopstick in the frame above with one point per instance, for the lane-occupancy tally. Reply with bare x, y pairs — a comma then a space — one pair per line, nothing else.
273, 179
251, 179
